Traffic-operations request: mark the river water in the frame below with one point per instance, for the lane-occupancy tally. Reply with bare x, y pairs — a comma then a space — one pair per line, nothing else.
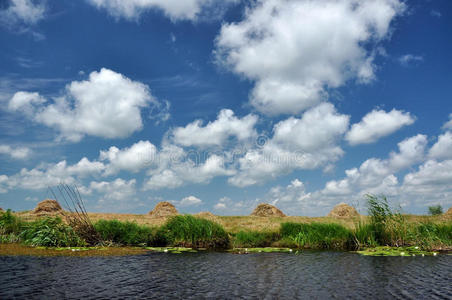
316, 275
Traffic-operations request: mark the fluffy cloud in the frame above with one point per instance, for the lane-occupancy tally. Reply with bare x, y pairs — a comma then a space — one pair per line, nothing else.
305, 143
16, 153
22, 11
190, 201
430, 185
216, 133
442, 149
375, 175
174, 9
226, 205
106, 105
116, 190
291, 199
176, 172
49, 175
296, 50
25, 102
133, 159
448, 125
377, 124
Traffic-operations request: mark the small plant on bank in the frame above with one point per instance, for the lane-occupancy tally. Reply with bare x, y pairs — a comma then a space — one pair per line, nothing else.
435, 210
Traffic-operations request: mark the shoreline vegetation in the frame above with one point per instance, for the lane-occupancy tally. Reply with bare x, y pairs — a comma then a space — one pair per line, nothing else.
384, 232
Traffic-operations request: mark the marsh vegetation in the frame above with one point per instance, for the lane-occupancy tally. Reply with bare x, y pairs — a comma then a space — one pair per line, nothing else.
384, 226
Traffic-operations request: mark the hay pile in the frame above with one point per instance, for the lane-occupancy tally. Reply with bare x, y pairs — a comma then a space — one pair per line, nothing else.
343, 210
163, 209
267, 210
1, 209
449, 212
208, 216
47, 206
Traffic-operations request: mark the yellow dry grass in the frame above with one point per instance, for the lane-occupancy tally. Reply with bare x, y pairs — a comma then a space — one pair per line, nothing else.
236, 223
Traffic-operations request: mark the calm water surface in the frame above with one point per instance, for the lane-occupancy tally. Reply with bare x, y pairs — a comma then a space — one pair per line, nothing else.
317, 275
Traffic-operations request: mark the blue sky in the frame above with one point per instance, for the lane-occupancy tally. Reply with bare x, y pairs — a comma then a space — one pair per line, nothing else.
219, 105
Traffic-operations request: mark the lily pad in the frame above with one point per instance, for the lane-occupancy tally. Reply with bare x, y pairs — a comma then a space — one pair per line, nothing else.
260, 250
174, 250
395, 251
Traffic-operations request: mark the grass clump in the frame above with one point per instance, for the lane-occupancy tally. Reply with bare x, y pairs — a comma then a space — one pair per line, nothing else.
431, 236
124, 233
189, 231
50, 232
254, 239
9, 223
389, 227
318, 235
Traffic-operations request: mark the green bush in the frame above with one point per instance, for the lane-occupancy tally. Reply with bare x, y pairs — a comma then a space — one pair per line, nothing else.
435, 210
124, 233
318, 235
254, 239
9, 223
50, 232
194, 232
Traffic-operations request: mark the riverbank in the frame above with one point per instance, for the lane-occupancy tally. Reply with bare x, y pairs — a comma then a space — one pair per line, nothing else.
429, 234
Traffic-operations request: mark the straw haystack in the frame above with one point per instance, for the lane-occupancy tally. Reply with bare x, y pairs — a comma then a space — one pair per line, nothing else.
208, 216
343, 210
47, 206
1, 209
164, 209
267, 210
449, 212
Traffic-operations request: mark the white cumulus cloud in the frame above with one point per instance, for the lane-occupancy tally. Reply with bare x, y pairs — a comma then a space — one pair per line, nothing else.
377, 124
106, 105
295, 51
190, 201
308, 142
15, 152
448, 124
216, 133
377, 175
442, 149
133, 159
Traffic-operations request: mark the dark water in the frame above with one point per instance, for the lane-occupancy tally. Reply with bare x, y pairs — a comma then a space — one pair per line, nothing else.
316, 275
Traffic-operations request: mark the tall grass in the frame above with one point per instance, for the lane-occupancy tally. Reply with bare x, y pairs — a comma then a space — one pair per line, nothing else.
250, 239
195, 232
318, 235
10, 227
77, 217
124, 233
9, 223
50, 232
389, 226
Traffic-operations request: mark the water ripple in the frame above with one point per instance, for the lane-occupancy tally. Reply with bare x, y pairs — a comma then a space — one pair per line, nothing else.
316, 275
